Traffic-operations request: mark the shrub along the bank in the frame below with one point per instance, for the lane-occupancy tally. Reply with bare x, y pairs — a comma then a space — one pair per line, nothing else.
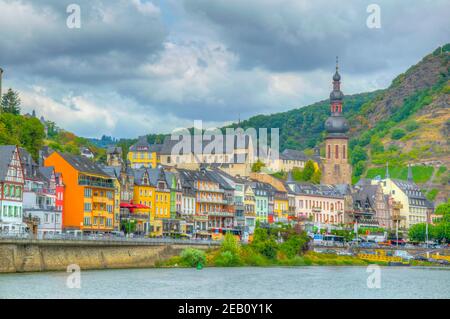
191, 257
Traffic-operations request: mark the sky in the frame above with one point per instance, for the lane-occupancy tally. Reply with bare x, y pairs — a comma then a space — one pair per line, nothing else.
137, 66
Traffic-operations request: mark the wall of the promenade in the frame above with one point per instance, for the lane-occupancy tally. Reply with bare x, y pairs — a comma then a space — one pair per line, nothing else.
34, 256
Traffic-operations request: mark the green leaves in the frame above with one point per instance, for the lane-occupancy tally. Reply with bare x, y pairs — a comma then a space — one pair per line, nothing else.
191, 257
10, 102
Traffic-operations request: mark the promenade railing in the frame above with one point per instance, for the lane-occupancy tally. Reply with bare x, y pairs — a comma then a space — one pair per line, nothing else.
106, 239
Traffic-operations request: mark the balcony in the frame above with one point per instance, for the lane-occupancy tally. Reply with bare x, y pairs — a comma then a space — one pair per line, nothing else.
221, 214
211, 200
203, 218
41, 207
209, 189
40, 190
135, 216
100, 199
96, 183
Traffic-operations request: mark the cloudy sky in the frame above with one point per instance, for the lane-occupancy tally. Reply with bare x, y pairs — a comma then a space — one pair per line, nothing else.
139, 66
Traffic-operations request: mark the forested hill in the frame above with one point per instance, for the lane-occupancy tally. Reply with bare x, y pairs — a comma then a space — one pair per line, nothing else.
304, 127
425, 83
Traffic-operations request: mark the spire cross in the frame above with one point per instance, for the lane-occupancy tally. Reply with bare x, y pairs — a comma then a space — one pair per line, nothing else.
337, 62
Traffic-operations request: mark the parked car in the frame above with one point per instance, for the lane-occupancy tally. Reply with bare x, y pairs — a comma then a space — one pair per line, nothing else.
118, 234
344, 253
420, 258
367, 245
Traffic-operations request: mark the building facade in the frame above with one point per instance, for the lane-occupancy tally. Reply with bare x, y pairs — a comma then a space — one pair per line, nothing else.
11, 187
88, 193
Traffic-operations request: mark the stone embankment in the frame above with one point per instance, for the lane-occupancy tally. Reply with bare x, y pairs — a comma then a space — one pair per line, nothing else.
56, 255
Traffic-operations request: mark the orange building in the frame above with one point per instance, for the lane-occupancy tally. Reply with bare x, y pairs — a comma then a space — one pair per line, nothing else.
88, 195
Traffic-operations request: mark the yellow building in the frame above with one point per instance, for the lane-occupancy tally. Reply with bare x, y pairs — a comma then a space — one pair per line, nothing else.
142, 154
281, 206
249, 208
114, 173
151, 191
161, 201
143, 197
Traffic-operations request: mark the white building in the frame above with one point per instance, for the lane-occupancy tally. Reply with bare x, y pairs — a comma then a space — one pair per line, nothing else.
414, 206
39, 196
11, 191
323, 204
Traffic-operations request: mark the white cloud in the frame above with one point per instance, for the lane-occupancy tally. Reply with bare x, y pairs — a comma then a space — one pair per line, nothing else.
127, 72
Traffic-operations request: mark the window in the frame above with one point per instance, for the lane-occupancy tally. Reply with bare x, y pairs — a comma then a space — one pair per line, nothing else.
329, 152
336, 149
344, 152
18, 192
87, 207
87, 192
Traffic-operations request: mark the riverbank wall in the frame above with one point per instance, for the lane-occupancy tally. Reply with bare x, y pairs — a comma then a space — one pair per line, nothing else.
53, 255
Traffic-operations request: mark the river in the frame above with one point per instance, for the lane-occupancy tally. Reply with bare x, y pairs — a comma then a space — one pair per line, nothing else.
245, 282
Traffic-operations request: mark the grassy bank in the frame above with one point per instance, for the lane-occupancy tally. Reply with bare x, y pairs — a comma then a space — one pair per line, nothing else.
250, 259
275, 246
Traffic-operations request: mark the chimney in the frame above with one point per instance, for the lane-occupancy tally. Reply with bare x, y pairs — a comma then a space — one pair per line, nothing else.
1, 75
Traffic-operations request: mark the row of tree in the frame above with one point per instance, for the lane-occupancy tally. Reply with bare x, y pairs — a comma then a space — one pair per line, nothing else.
439, 232
19, 130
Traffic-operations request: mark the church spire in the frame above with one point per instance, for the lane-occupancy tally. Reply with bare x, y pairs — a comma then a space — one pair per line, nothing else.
410, 175
337, 76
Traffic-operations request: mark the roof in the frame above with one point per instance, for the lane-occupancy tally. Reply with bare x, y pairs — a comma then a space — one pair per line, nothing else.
364, 193
290, 154
413, 192
139, 174
215, 174
241, 140
142, 144
114, 149
83, 164
112, 171
29, 166
315, 190
6, 153
235, 179
47, 172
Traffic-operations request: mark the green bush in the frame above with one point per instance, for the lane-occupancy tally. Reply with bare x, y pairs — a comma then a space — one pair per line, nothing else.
227, 259
397, 134
411, 126
191, 257
431, 195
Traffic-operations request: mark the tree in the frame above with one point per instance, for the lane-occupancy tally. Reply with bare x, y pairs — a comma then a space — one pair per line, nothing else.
358, 154
397, 134
308, 171
417, 232
257, 166
359, 168
11, 102
317, 176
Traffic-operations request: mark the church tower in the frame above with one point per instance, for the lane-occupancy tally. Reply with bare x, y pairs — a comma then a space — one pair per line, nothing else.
336, 168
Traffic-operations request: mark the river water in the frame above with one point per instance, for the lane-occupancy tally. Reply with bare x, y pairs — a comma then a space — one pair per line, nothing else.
246, 282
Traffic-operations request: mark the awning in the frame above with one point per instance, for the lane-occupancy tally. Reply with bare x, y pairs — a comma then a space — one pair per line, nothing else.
133, 206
